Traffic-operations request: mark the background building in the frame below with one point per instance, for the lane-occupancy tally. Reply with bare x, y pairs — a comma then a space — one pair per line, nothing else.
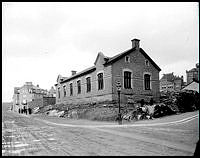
28, 93
169, 83
193, 74
134, 69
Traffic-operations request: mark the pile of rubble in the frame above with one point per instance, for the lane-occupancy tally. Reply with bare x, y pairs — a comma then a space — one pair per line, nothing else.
170, 103
149, 112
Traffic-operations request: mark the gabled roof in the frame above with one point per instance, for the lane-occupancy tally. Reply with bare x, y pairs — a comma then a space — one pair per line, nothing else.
101, 54
61, 78
153, 63
119, 56
88, 70
194, 86
108, 61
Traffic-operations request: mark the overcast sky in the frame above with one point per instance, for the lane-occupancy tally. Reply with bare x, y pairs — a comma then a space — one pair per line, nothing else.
42, 40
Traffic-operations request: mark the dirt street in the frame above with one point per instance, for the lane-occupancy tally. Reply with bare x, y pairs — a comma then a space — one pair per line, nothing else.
39, 135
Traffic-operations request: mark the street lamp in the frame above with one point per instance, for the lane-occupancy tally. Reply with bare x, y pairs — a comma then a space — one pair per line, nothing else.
118, 85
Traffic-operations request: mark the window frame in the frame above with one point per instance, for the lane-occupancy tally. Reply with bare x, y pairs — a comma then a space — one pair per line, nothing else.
64, 91
147, 62
71, 88
88, 86
100, 72
127, 70
78, 82
129, 59
150, 81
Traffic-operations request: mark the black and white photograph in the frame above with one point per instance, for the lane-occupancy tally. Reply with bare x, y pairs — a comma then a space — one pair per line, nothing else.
100, 79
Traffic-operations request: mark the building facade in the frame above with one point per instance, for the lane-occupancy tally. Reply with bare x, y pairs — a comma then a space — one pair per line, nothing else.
134, 69
27, 93
193, 74
41, 102
169, 83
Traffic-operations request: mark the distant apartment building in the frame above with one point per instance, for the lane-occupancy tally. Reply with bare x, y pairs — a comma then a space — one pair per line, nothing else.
169, 83
133, 68
28, 93
193, 74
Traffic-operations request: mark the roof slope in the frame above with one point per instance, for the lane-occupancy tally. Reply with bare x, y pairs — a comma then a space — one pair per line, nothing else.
192, 86
90, 69
111, 60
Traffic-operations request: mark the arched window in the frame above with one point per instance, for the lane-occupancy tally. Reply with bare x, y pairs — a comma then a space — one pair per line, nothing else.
88, 82
147, 81
79, 86
64, 90
100, 81
71, 89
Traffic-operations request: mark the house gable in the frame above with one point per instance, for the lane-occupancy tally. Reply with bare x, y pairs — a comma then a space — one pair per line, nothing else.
101, 59
59, 78
119, 56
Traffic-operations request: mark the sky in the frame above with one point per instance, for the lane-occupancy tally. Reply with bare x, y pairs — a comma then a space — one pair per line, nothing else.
41, 40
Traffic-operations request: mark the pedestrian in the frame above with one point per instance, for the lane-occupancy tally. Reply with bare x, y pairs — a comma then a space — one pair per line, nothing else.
24, 109
29, 110
19, 110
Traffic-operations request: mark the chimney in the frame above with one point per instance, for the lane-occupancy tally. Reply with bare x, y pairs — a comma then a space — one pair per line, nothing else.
135, 43
73, 72
28, 83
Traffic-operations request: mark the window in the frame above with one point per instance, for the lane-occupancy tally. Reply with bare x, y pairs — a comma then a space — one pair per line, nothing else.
58, 92
71, 89
127, 80
127, 59
64, 91
88, 82
100, 81
147, 81
146, 62
79, 86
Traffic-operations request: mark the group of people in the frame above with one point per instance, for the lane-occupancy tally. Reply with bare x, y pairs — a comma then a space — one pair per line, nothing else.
25, 110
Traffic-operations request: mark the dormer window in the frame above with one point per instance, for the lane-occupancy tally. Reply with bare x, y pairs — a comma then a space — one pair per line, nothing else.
127, 59
146, 63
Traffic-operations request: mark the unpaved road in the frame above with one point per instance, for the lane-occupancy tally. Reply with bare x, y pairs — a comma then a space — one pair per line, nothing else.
39, 135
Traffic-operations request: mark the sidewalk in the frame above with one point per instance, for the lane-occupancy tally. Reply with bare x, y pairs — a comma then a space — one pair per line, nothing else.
81, 122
